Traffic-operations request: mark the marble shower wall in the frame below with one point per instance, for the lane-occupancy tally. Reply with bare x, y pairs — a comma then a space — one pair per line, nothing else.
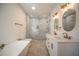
38, 27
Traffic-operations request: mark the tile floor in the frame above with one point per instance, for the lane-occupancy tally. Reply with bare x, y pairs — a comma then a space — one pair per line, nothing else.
38, 48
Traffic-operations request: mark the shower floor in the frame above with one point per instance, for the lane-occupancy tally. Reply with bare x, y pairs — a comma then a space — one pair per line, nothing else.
38, 48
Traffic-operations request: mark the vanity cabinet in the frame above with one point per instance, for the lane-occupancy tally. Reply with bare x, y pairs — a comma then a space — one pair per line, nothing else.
62, 47
68, 48
51, 46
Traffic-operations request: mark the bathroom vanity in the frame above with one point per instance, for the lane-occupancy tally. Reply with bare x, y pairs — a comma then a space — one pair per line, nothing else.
63, 38
17, 48
59, 46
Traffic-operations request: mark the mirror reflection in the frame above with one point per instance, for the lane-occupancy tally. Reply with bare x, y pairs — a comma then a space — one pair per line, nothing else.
56, 24
69, 20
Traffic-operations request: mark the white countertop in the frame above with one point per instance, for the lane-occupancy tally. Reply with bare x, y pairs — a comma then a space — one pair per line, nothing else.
56, 38
15, 48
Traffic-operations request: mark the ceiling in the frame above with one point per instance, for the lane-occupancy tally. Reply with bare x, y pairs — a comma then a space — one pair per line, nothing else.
42, 9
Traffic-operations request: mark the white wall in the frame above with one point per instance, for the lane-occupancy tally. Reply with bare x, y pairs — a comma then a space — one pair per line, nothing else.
75, 32
9, 15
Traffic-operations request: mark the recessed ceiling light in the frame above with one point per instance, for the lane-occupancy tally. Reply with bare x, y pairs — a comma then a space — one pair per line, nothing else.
33, 8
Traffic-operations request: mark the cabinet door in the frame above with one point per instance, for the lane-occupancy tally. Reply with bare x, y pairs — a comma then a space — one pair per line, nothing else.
68, 49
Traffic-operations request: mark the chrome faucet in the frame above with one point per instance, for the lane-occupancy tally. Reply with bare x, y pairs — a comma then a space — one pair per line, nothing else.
2, 46
67, 36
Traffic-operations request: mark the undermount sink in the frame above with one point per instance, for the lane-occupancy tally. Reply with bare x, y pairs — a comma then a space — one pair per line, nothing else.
54, 36
57, 37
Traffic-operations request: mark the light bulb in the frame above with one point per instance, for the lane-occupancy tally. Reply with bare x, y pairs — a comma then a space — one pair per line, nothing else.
33, 8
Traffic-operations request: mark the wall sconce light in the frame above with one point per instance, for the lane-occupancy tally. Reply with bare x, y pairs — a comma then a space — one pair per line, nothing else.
55, 14
63, 6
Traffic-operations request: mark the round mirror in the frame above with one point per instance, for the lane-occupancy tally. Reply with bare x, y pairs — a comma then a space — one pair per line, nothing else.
69, 20
56, 24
